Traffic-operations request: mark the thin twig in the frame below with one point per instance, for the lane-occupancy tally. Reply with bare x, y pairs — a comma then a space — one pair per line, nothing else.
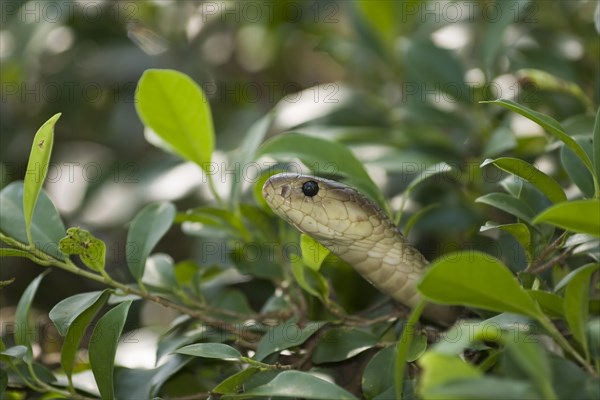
546, 252
196, 396
69, 266
556, 260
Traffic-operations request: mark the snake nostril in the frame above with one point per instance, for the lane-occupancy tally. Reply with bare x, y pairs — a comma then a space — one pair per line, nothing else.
285, 190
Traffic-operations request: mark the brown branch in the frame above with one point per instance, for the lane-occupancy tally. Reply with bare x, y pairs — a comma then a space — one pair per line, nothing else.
534, 265
549, 264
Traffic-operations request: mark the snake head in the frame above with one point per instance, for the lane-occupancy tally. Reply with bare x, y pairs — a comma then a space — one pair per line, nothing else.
329, 211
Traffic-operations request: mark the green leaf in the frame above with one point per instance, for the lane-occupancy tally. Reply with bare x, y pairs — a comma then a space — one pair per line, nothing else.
176, 109
435, 67
476, 279
339, 344
518, 230
417, 347
255, 259
531, 358
17, 352
514, 187
135, 383
501, 140
313, 252
233, 300
72, 316
285, 335
596, 143
403, 346
593, 335
483, 388
433, 171
509, 204
245, 154
379, 373
178, 336
582, 243
437, 169
576, 216
565, 280
381, 19
211, 350
103, 347
41, 372
324, 156
456, 341
550, 303
220, 220
529, 173
3, 383
91, 250
235, 383
410, 223
298, 384
160, 272
163, 374
576, 169
67, 310
47, 227
550, 125
185, 271
576, 303
23, 331
574, 382
37, 168
311, 281
544, 81
491, 44
75, 334
146, 229
439, 368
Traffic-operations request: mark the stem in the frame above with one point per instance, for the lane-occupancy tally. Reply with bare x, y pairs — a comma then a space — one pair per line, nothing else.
49, 388
551, 329
556, 260
489, 361
533, 265
24, 378
264, 366
213, 191
196, 396
105, 279
398, 217
403, 345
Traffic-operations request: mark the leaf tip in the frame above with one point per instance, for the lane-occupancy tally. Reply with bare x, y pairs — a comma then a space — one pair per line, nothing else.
485, 162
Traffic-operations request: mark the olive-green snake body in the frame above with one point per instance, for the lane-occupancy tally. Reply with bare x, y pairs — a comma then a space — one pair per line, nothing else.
353, 227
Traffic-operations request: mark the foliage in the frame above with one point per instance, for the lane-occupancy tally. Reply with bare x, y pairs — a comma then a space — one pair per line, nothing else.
515, 217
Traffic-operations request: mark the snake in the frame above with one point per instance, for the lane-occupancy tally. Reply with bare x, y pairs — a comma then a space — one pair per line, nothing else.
358, 231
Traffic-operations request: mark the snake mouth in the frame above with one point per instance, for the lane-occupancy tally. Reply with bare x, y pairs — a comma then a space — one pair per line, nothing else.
276, 191
274, 199
267, 190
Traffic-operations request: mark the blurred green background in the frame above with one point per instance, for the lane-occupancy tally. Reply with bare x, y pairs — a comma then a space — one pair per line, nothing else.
398, 81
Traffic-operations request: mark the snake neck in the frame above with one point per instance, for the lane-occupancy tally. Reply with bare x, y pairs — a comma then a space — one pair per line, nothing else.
388, 261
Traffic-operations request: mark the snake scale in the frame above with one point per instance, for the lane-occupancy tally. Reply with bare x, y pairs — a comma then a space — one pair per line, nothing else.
355, 229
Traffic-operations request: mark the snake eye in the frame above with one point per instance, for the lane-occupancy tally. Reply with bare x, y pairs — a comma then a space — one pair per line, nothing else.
310, 188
